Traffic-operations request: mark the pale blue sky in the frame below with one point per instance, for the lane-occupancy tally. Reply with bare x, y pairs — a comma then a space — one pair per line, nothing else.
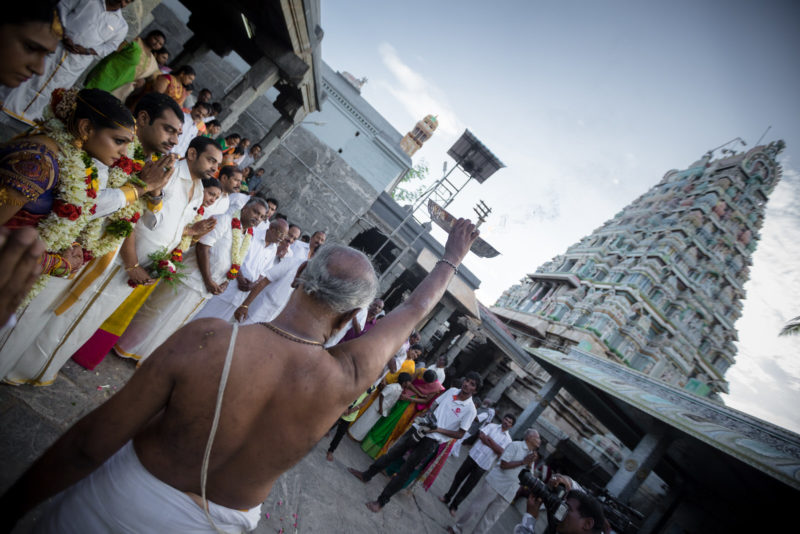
589, 103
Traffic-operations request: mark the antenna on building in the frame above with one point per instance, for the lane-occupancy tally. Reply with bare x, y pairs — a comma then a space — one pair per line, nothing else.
482, 211
762, 135
710, 153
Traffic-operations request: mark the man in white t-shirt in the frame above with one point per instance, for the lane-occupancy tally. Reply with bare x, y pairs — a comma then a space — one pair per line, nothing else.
499, 487
454, 412
494, 439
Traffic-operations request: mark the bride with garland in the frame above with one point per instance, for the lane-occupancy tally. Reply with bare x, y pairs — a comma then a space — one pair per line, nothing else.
73, 179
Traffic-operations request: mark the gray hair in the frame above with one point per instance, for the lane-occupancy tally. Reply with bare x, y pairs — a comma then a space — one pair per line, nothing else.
341, 288
257, 200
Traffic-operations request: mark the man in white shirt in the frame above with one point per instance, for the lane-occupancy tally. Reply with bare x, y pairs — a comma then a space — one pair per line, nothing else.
258, 261
249, 157
494, 439
230, 178
272, 292
169, 308
454, 412
190, 126
499, 487
92, 30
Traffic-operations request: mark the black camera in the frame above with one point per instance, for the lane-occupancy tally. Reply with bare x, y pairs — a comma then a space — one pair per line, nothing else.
424, 424
427, 422
553, 499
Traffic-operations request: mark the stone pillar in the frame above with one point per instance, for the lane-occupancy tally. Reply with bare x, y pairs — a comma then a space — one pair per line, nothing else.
491, 367
277, 132
139, 15
658, 367
430, 327
638, 464
255, 82
458, 346
193, 50
537, 406
498, 389
664, 508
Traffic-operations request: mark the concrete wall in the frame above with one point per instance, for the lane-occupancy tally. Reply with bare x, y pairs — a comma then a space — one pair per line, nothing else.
359, 147
330, 198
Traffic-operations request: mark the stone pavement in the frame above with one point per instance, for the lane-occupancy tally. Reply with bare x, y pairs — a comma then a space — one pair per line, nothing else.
316, 495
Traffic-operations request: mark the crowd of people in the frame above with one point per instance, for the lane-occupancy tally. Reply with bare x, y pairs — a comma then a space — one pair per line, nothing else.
131, 224
143, 208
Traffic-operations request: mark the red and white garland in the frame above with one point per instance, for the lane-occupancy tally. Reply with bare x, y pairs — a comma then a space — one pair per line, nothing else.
186, 241
240, 242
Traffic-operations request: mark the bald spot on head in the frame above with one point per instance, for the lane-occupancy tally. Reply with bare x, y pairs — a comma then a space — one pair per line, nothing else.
346, 263
281, 224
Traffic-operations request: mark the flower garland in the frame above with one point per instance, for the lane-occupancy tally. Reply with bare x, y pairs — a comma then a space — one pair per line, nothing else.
105, 234
75, 195
186, 241
240, 243
75, 192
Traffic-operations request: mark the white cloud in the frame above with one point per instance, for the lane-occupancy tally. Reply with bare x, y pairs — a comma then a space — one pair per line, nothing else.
416, 94
765, 379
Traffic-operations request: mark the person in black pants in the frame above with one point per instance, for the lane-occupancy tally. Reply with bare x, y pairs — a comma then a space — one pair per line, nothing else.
347, 417
493, 440
454, 411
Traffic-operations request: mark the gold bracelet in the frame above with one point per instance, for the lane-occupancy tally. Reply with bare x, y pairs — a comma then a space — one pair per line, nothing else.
128, 269
131, 193
6, 198
244, 306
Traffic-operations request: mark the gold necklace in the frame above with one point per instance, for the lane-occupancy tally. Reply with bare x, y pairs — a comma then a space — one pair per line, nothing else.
290, 336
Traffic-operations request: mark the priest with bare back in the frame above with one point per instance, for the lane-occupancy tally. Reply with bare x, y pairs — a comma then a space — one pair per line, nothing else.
148, 459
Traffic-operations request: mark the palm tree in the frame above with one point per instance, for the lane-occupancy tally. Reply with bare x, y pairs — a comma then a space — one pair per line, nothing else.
792, 328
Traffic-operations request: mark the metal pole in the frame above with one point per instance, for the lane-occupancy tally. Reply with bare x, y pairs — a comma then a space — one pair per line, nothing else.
399, 256
423, 198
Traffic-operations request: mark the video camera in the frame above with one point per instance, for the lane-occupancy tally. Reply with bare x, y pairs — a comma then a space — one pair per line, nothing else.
553, 499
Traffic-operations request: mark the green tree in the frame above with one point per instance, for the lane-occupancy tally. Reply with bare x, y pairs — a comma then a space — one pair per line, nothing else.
412, 185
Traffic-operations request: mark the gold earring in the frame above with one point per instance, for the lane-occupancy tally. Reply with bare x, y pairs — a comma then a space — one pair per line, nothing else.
78, 142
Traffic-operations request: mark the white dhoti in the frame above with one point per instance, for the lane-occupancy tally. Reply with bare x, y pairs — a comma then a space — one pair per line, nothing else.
164, 312
390, 395
17, 338
122, 496
358, 430
61, 335
223, 306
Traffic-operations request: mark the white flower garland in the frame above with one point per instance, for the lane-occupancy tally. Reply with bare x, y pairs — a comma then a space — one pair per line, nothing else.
94, 238
58, 233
